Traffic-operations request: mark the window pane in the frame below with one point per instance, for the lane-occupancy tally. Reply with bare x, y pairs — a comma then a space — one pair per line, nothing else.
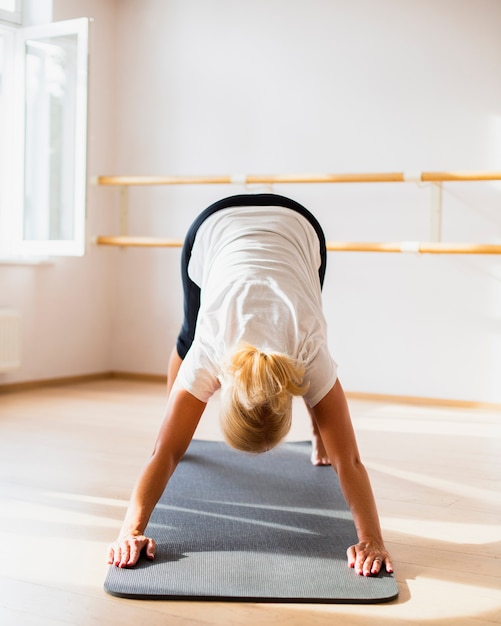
10, 10
50, 123
2, 63
2, 133
6, 152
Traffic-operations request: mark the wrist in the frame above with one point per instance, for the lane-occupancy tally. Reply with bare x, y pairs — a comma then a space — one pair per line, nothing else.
370, 539
128, 530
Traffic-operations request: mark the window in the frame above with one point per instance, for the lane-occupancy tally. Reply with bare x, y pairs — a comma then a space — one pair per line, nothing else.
10, 10
42, 211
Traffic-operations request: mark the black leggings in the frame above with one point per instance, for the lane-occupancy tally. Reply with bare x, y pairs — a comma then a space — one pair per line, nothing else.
192, 291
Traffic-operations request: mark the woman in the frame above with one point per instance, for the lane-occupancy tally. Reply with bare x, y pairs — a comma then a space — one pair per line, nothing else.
253, 267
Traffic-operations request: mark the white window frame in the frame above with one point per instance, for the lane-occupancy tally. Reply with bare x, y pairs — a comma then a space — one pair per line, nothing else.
16, 15
12, 217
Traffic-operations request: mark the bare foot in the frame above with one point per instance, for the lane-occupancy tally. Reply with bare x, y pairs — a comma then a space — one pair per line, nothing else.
318, 453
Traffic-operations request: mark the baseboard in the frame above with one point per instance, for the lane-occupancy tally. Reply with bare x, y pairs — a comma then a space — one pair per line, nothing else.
146, 378
422, 401
83, 378
162, 379
53, 382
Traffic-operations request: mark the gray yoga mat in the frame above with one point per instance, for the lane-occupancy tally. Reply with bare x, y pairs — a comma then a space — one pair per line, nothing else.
251, 528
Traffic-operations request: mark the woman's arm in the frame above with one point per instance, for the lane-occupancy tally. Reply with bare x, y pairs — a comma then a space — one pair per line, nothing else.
333, 420
181, 419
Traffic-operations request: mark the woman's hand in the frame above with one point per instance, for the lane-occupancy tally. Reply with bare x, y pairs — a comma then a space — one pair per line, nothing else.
125, 551
368, 557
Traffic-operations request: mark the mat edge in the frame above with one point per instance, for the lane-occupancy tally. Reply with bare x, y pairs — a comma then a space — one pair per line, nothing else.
248, 599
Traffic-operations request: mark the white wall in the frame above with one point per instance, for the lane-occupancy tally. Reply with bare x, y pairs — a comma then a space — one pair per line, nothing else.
278, 86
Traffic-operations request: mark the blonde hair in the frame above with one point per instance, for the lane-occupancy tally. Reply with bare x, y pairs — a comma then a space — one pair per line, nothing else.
256, 398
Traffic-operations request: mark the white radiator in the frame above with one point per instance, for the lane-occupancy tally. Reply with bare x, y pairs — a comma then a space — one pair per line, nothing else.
10, 340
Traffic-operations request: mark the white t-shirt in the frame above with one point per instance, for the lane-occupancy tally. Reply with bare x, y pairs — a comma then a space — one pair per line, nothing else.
257, 268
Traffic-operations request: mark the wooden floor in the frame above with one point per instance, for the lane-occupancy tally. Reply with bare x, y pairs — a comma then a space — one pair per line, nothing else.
69, 456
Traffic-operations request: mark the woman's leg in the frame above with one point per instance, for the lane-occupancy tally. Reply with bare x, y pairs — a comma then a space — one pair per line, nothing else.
318, 453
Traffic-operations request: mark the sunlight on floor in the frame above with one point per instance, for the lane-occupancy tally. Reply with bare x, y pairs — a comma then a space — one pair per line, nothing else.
86, 499
447, 532
448, 486
59, 548
55, 561
437, 599
46, 514
425, 421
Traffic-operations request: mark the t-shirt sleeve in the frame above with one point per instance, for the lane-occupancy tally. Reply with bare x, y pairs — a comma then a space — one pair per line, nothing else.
321, 373
197, 375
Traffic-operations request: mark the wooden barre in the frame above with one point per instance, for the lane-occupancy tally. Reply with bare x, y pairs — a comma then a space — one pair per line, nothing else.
391, 177
417, 247
137, 242
332, 246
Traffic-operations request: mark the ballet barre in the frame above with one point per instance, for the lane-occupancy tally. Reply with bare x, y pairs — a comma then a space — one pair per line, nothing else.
429, 247
435, 182
270, 179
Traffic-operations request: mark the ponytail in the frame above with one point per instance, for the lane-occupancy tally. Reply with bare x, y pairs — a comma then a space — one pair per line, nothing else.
257, 390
